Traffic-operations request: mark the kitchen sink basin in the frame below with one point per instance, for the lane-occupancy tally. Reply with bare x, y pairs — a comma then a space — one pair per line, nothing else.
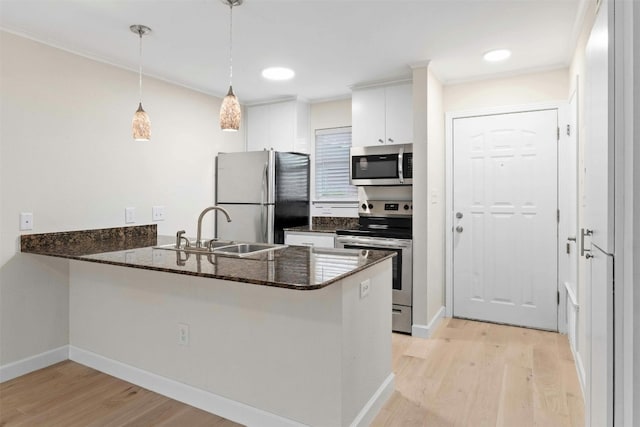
246, 249
226, 248
193, 249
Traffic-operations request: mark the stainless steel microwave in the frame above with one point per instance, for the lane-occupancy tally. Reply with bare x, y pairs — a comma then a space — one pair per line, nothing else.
382, 165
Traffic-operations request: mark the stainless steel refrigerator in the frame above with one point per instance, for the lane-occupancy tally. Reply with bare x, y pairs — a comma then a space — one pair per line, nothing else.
264, 192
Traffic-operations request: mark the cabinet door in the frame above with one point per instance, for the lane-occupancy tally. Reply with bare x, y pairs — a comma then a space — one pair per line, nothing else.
368, 117
318, 240
258, 128
283, 126
399, 114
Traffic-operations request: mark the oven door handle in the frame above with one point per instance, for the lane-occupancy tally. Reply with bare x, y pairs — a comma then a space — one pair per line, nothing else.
382, 243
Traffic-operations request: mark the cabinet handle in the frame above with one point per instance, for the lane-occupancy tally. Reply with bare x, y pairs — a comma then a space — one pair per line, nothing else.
381, 141
391, 140
307, 244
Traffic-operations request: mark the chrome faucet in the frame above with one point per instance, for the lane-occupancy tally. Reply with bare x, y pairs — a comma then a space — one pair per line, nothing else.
179, 238
210, 208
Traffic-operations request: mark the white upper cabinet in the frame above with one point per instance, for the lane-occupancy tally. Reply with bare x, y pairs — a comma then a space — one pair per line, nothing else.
382, 115
283, 126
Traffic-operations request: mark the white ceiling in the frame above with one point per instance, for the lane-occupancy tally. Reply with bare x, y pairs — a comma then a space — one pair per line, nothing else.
331, 44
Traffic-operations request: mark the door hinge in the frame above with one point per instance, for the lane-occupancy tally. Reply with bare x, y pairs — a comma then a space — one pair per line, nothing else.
568, 130
558, 293
558, 133
558, 215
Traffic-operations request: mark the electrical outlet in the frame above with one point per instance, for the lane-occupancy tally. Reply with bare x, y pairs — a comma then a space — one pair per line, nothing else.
365, 287
157, 213
26, 221
183, 334
129, 215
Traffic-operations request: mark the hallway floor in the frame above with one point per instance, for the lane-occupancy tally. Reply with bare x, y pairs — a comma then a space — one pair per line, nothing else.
482, 374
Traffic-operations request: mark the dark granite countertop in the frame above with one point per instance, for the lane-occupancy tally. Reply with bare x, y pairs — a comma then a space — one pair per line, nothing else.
293, 267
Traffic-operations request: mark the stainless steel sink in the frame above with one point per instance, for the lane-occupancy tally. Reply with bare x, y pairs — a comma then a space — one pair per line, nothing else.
193, 249
246, 249
226, 248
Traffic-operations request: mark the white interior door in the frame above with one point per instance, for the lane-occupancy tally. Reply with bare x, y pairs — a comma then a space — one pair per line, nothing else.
505, 218
599, 219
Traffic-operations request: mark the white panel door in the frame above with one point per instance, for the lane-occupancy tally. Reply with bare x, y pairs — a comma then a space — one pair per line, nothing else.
598, 217
505, 224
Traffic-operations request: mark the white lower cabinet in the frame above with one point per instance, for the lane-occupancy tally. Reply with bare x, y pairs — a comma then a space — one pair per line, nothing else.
314, 239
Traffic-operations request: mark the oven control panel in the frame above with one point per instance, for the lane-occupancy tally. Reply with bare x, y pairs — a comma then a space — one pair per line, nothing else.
384, 208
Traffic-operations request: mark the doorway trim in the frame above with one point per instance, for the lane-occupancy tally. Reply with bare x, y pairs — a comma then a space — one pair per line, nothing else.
563, 110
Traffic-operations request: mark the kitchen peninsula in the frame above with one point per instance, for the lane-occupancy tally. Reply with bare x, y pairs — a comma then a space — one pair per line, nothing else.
295, 336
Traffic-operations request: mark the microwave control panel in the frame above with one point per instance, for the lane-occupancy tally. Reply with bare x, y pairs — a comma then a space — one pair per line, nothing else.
386, 208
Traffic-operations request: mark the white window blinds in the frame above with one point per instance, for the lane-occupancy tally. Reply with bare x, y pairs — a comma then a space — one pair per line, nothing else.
332, 165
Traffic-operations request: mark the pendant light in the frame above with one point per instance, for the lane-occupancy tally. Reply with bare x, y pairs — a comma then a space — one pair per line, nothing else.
230, 113
141, 125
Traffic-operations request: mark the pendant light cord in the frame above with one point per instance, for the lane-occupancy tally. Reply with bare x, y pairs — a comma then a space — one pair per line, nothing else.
140, 67
230, 44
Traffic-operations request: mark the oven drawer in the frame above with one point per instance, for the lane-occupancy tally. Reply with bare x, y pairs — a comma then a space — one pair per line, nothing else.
401, 318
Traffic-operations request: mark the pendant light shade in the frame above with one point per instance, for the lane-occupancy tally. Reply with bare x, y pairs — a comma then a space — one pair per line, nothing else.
230, 112
140, 125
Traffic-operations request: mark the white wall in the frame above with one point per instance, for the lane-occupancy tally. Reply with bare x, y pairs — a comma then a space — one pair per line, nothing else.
315, 356
499, 92
67, 156
428, 200
435, 196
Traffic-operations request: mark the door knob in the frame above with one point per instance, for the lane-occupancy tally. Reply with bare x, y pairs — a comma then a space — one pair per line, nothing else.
459, 229
458, 215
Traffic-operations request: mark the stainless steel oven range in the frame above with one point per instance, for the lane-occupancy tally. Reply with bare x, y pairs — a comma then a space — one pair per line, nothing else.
386, 225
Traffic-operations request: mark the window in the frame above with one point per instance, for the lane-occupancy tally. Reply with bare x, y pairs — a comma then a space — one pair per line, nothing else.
332, 165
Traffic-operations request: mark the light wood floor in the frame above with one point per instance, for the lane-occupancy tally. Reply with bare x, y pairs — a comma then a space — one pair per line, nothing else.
467, 374
69, 394
483, 374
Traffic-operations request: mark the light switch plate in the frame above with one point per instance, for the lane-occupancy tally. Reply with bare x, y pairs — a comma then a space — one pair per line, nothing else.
26, 221
157, 213
129, 215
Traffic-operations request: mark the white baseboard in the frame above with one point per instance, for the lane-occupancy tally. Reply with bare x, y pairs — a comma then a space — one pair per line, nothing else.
377, 401
207, 401
425, 331
33, 363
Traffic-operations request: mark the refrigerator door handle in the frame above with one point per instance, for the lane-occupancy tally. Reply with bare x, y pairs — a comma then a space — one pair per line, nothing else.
264, 190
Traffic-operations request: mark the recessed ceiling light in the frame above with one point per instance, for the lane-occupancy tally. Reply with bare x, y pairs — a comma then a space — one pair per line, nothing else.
497, 55
278, 73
